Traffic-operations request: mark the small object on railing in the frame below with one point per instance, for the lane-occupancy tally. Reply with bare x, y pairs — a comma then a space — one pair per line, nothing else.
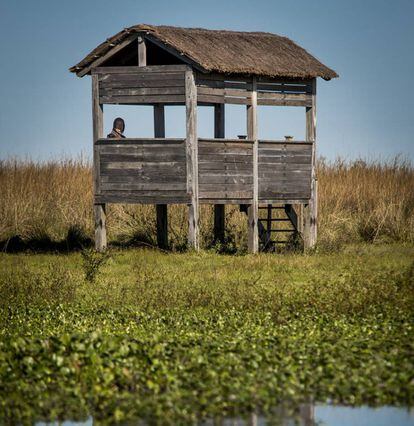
242, 136
288, 138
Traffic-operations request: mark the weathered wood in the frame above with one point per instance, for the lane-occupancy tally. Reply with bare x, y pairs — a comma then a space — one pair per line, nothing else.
162, 226
192, 158
144, 99
99, 209
108, 55
140, 69
142, 91
100, 226
311, 210
219, 209
158, 142
142, 51
226, 194
252, 210
143, 198
161, 209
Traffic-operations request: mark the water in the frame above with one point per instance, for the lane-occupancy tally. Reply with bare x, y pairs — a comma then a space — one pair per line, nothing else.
308, 415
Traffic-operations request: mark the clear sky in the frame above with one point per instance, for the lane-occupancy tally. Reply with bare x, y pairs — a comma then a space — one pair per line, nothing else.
45, 111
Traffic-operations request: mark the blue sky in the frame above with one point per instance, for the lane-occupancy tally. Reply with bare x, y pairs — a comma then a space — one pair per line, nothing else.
45, 112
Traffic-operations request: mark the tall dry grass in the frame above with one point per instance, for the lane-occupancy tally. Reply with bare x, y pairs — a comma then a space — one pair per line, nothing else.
357, 201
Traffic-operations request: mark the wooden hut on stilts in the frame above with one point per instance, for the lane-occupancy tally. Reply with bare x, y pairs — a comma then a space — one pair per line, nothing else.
161, 66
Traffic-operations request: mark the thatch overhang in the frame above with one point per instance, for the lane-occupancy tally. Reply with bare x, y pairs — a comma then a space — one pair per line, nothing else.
222, 51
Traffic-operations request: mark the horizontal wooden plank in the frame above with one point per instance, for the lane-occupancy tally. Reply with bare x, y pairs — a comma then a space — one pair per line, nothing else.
283, 87
140, 70
143, 178
148, 91
222, 166
139, 141
284, 102
223, 100
108, 168
140, 198
222, 84
299, 195
273, 160
225, 194
138, 186
143, 76
224, 179
144, 99
226, 141
223, 92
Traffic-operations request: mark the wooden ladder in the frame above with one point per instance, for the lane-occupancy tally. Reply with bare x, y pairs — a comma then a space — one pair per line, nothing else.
269, 226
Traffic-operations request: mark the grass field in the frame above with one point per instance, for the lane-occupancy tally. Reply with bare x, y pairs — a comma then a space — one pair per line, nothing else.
175, 337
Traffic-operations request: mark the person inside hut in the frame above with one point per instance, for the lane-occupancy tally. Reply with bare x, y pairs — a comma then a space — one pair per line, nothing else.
117, 129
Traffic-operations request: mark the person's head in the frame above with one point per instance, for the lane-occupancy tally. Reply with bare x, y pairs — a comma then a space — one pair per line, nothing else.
119, 124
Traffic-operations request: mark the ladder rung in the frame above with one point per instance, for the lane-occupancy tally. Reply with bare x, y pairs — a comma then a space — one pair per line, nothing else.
271, 208
274, 220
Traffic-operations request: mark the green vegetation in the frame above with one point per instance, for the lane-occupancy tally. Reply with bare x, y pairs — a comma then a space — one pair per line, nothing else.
175, 337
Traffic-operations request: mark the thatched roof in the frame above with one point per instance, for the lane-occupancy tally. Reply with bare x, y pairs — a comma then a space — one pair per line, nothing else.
234, 52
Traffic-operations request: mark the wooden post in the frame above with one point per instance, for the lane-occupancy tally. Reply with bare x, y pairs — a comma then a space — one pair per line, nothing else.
142, 52
219, 209
253, 209
99, 209
310, 211
162, 211
192, 157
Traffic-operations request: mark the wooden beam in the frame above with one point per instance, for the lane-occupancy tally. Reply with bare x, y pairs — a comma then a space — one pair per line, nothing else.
310, 211
99, 209
142, 52
219, 209
176, 53
162, 211
107, 55
192, 158
253, 209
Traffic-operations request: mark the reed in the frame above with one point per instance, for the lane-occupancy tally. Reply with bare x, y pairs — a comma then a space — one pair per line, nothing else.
358, 201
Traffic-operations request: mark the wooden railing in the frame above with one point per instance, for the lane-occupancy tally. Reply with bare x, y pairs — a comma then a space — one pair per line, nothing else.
155, 171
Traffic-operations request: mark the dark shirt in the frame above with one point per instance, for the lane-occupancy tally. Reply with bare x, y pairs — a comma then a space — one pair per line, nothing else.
115, 135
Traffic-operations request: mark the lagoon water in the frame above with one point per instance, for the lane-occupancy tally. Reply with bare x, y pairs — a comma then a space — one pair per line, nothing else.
328, 415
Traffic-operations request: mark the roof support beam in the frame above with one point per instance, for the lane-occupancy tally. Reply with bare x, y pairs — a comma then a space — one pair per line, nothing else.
142, 52
175, 53
107, 55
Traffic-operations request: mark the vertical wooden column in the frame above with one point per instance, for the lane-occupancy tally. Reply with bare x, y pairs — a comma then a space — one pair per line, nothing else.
219, 209
253, 209
142, 52
192, 158
162, 212
98, 209
310, 211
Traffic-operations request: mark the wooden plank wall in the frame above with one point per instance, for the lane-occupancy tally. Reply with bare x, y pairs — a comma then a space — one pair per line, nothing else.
142, 171
285, 170
217, 88
225, 170
141, 85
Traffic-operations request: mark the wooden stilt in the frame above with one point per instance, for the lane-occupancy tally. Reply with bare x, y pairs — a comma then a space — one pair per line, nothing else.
100, 226
253, 209
192, 158
99, 209
219, 209
310, 211
161, 209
